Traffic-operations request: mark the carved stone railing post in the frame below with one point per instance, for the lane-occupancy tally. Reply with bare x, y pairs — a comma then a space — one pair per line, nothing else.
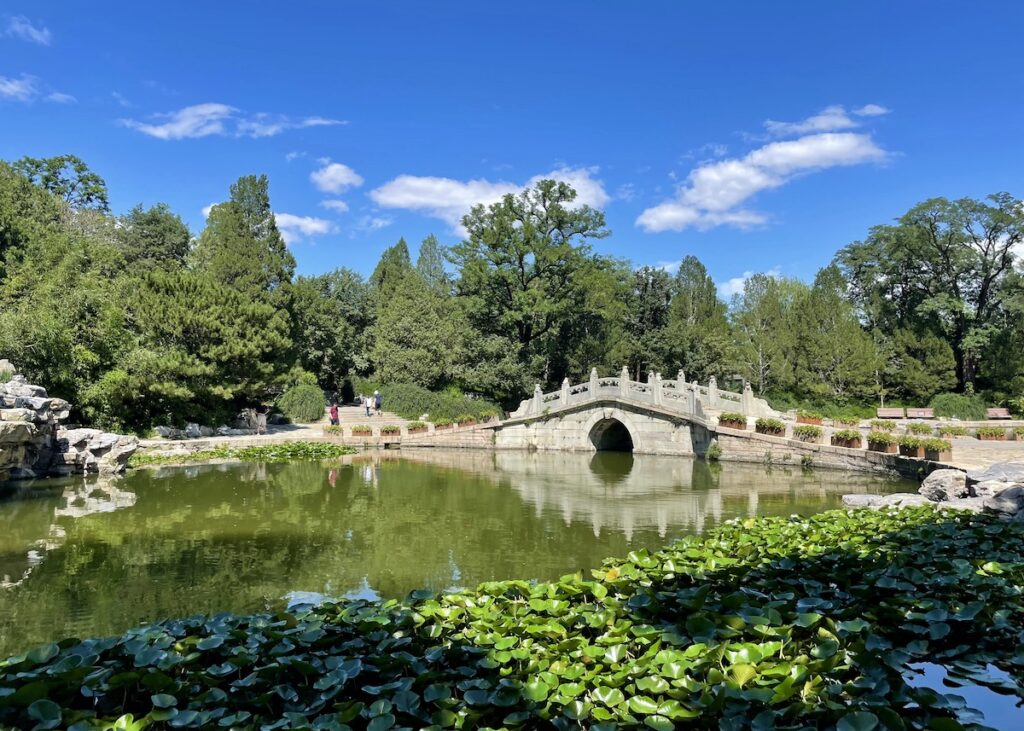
657, 389
681, 378
748, 399
692, 394
565, 392
593, 383
538, 399
713, 392
624, 383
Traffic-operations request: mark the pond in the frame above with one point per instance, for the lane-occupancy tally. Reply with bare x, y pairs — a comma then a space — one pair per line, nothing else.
92, 558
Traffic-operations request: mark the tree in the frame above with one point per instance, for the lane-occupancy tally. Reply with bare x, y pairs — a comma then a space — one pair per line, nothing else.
642, 345
943, 268
760, 319
154, 237
67, 177
392, 269
430, 264
522, 268
698, 330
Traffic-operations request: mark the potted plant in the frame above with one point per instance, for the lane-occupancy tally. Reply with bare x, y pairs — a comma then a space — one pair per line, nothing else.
937, 450
362, 430
416, 427
332, 430
390, 430
465, 420
910, 446
921, 430
953, 430
846, 421
442, 424
804, 416
1018, 433
991, 434
882, 425
732, 420
849, 438
882, 441
807, 433
774, 427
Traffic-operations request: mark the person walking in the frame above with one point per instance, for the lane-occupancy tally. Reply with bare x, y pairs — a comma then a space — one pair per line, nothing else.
378, 402
333, 413
367, 403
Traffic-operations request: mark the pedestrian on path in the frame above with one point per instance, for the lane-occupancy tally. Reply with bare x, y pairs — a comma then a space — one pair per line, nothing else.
378, 402
368, 403
333, 413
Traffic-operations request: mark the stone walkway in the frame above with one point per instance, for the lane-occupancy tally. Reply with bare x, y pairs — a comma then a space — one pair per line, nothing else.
973, 454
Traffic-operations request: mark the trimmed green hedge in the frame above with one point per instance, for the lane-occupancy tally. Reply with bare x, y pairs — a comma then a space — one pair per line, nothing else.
763, 623
960, 406
411, 402
302, 404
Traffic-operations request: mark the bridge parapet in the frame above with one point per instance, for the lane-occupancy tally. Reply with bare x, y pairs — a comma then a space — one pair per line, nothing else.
677, 395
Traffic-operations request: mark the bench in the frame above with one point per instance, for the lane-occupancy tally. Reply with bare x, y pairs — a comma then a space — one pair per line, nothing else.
920, 413
997, 413
890, 413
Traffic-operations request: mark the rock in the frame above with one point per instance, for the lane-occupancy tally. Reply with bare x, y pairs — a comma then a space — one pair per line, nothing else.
76, 437
16, 414
169, 432
1007, 502
989, 488
943, 485
862, 501
17, 432
1012, 472
192, 431
904, 500
205, 431
972, 504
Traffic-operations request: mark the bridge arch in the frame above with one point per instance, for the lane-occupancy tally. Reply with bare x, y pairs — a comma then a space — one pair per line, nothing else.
611, 430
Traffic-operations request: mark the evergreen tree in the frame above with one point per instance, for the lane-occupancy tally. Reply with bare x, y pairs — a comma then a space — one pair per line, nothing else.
392, 269
154, 237
430, 264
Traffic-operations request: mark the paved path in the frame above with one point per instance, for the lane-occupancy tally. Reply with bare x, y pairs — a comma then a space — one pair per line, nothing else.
972, 454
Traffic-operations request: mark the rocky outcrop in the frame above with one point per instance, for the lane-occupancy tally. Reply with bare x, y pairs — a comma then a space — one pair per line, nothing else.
34, 444
998, 490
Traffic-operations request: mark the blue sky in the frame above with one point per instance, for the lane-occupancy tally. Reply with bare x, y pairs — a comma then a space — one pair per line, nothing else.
757, 136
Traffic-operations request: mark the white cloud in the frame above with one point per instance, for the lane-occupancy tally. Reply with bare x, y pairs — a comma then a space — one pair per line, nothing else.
713, 191
871, 110
212, 118
199, 120
19, 90
60, 98
449, 199
374, 223
293, 228
335, 205
734, 286
207, 209
335, 177
827, 120
294, 155
21, 27
122, 100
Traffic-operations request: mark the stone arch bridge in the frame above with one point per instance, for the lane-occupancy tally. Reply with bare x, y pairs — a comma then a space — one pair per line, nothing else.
661, 416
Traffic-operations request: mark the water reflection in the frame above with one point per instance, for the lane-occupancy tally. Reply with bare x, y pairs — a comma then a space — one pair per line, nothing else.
92, 558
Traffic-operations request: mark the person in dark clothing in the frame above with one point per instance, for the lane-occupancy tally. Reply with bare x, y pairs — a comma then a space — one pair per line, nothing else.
378, 402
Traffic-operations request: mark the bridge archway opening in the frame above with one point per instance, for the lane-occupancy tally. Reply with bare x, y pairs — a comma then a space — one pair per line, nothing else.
611, 435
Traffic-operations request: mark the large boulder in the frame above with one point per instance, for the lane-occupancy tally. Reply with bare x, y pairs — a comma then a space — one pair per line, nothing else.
1009, 472
988, 488
1007, 503
971, 504
942, 485
862, 501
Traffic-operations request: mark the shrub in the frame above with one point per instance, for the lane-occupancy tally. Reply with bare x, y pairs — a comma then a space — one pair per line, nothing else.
1015, 405
5, 376
910, 442
303, 403
954, 431
331, 429
391, 429
936, 445
807, 431
846, 435
991, 431
442, 422
808, 414
362, 429
847, 420
411, 401
465, 419
733, 417
770, 426
1018, 431
416, 425
881, 437
921, 429
882, 425
714, 452
969, 407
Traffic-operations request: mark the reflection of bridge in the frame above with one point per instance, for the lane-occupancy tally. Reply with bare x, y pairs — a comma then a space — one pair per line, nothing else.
661, 416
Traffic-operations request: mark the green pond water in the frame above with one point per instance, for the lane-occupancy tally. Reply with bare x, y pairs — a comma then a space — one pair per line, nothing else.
94, 557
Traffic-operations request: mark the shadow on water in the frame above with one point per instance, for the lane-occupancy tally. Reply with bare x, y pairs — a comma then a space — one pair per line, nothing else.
611, 467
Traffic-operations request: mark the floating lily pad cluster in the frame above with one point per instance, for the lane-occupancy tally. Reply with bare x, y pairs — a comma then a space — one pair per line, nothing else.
765, 623
265, 453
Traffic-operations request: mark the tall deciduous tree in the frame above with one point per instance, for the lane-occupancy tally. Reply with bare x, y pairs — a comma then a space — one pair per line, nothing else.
430, 264
522, 267
156, 236
943, 268
67, 177
698, 330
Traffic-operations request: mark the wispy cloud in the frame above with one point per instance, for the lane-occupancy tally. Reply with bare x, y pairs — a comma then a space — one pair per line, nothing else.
449, 200
294, 155
60, 98
734, 286
294, 228
715, 192
870, 110
374, 223
121, 99
334, 177
22, 89
213, 118
335, 205
19, 26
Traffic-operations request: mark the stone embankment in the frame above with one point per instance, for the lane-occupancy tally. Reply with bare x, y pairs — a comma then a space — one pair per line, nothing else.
33, 443
997, 490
